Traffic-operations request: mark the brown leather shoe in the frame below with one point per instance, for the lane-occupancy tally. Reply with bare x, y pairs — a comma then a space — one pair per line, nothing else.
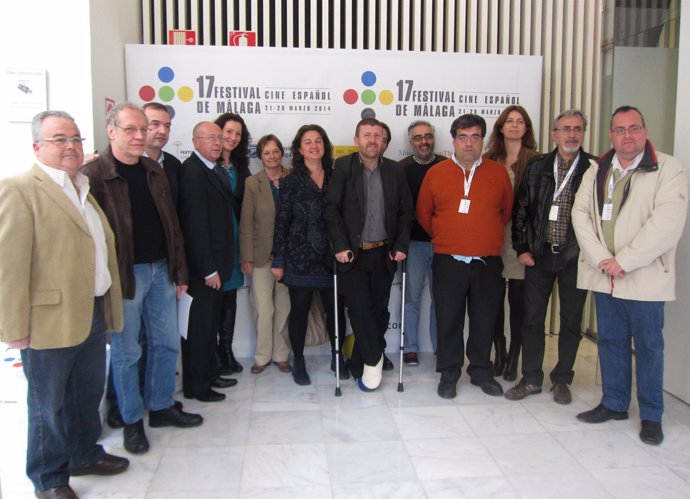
283, 366
257, 369
561, 393
522, 390
61, 492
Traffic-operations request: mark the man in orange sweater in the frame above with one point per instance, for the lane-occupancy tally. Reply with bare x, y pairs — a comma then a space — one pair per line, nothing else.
464, 204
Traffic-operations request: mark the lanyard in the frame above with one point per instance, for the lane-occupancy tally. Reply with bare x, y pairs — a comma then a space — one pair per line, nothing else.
466, 180
624, 171
567, 176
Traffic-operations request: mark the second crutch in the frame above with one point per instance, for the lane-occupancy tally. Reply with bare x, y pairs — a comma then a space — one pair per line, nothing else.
337, 332
402, 324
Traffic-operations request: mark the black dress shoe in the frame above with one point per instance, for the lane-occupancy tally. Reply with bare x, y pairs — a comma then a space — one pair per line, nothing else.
223, 382
206, 396
107, 465
61, 492
114, 418
651, 432
447, 389
172, 416
490, 387
135, 440
387, 364
600, 414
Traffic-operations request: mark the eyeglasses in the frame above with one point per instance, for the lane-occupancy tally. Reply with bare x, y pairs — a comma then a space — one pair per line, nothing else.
465, 138
632, 130
212, 138
63, 141
157, 124
419, 138
568, 129
131, 130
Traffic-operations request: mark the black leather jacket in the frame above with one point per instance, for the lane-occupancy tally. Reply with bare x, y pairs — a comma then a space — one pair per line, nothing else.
534, 198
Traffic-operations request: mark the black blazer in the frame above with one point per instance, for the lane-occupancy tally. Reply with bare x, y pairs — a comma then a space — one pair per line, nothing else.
205, 205
344, 208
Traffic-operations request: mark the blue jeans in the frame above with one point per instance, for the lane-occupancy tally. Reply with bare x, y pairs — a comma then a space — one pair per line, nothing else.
618, 322
65, 386
418, 266
155, 306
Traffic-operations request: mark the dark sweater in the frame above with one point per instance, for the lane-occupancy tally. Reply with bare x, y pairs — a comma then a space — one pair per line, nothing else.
415, 174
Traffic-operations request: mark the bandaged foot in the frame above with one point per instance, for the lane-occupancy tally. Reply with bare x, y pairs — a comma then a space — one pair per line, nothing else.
371, 376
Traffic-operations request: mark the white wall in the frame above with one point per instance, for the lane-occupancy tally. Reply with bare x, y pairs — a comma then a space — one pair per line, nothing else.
53, 36
80, 44
677, 329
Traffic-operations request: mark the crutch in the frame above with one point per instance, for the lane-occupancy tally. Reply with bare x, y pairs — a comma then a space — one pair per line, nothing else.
337, 331
402, 325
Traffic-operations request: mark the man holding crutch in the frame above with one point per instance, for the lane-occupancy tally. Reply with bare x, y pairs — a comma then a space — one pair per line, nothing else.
369, 212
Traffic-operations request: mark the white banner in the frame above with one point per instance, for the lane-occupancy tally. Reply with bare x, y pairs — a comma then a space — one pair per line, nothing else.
278, 90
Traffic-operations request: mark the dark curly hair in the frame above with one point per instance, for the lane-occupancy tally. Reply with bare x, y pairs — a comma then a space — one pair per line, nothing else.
239, 156
298, 159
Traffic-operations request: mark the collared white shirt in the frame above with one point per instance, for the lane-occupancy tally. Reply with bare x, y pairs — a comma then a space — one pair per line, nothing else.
77, 192
160, 159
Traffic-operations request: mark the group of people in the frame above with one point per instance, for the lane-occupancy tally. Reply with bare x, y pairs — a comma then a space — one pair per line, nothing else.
112, 244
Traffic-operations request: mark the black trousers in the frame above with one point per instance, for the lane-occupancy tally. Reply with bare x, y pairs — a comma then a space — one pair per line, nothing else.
475, 287
300, 305
366, 287
539, 281
198, 350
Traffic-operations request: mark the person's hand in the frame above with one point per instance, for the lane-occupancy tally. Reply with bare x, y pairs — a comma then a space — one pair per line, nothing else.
181, 289
213, 282
20, 344
526, 259
610, 266
247, 268
278, 274
398, 256
345, 256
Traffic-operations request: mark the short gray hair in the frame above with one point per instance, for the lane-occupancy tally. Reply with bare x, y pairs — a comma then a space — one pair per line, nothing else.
420, 123
568, 114
37, 122
111, 119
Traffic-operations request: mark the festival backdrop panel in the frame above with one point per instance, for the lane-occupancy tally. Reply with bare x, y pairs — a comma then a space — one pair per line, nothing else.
277, 90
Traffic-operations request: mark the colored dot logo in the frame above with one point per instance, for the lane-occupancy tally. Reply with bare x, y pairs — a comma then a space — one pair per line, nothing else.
166, 92
368, 96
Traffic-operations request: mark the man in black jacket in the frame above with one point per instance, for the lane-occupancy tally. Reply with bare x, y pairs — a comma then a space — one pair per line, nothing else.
369, 211
205, 207
545, 243
157, 137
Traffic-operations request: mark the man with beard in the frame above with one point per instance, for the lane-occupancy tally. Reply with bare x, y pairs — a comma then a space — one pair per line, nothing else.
368, 210
545, 243
421, 136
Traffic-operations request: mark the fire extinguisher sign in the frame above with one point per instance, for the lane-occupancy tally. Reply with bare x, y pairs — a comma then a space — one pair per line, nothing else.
242, 39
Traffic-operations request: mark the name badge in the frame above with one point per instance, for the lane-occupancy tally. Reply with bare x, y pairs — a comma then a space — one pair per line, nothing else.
464, 206
607, 212
553, 213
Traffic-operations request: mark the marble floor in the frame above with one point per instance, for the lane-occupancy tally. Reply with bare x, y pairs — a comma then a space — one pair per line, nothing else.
272, 438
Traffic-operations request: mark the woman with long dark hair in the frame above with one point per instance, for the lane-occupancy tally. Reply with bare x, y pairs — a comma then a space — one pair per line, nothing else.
301, 249
235, 162
512, 144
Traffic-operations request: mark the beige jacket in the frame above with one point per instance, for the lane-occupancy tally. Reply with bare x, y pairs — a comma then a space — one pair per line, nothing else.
257, 220
648, 228
47, 265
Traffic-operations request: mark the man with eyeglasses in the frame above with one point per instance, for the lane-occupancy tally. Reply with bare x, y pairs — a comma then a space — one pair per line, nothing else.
629, 215
206, 216
421, 137
135, 195
60, 291
160, 122
545, 243
464, 203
